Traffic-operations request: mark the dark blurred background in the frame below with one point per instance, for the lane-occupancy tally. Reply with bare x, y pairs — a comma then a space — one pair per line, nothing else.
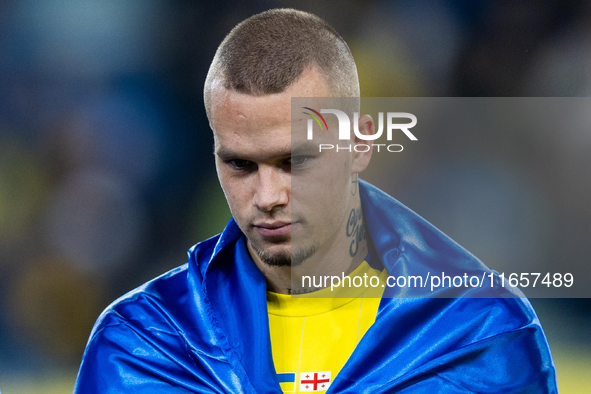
107, 175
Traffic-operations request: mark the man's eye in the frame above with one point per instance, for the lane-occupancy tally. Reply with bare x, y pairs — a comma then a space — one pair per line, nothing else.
298, 160
239, 164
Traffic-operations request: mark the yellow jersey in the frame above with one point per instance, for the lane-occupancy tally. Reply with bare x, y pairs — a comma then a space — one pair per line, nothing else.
312, 338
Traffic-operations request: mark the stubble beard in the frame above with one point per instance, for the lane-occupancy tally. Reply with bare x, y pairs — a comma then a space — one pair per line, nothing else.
286, 259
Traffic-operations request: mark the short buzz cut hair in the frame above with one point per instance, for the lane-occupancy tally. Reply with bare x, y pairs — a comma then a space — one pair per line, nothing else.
268, 52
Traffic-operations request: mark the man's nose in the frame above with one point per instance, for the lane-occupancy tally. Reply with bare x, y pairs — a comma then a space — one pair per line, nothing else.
271, 189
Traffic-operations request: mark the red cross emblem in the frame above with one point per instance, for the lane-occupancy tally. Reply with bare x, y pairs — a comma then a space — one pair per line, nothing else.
314, 381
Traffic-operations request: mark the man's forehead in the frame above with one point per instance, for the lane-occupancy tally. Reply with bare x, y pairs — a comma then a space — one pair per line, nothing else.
262, 148
243, 104
295, 147
311, 83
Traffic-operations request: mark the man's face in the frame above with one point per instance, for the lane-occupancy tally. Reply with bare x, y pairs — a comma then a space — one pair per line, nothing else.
279, 190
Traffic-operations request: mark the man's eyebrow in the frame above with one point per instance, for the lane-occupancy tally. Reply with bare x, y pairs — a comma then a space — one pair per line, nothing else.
305, 148
223, 153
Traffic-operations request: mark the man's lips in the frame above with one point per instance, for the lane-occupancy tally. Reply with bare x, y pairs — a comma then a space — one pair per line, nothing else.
273, 229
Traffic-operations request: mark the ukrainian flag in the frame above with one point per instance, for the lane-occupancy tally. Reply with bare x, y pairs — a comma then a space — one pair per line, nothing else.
287, 381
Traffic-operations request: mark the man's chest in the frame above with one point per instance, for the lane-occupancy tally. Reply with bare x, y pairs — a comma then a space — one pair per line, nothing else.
309, 351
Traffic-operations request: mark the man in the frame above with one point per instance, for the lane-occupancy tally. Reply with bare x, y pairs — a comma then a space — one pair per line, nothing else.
225, 323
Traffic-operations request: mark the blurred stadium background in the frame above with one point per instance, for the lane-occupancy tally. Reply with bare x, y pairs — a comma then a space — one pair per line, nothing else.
107, 176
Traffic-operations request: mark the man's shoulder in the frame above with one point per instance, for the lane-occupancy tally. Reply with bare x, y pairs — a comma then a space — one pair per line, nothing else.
164, 326
162, 303
406, 241
154, 297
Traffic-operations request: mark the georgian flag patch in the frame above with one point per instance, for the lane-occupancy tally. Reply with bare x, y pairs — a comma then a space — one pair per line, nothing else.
314, 381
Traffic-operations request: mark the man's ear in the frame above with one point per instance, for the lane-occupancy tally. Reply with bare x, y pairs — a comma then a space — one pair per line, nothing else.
362, 154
